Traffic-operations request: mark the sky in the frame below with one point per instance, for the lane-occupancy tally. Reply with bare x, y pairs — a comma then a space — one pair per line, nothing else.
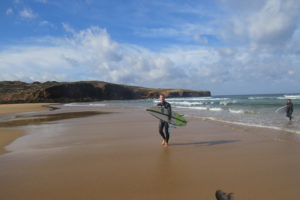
224, 46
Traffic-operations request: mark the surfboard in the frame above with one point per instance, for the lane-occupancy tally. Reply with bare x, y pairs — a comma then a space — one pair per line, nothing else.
176, 118
281, 109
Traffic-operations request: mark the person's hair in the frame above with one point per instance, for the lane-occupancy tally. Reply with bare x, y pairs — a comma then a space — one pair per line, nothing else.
162, 95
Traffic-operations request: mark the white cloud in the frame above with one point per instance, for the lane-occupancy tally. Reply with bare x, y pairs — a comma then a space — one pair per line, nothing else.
68, 28
181, 32
45, 23
277, 21
91, 54
243, 6
270, 25
27, 13
9, 11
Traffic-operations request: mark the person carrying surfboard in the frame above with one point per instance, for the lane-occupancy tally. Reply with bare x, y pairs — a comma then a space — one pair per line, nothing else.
289, 109
165, 108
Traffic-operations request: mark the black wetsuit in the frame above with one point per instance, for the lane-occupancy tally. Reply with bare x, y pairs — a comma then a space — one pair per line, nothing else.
289, 110
166, 108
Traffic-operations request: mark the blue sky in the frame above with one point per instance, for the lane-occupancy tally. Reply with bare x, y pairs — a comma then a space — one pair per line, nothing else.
225, 46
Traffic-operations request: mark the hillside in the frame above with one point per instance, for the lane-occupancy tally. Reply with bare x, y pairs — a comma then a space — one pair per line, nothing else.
83, 91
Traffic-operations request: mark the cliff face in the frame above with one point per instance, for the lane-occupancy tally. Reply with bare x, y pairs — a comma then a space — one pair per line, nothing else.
20, 92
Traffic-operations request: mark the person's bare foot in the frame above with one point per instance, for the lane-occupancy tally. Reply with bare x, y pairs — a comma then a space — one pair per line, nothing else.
163, 142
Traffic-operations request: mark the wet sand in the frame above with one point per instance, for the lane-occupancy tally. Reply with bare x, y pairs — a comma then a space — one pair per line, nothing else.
118, 156
17, 117
9, 135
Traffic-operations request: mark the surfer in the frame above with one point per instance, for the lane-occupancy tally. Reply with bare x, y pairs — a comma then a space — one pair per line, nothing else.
289, 109
165, 108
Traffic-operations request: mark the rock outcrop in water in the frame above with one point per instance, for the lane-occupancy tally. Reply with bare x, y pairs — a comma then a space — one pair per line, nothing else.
83, 91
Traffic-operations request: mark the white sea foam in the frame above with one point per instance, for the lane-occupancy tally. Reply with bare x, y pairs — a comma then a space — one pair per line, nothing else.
198, 99
189, 99
225, 103
236, 111
219, 99
292, 96
202, 108
200, 117
285, 97
193, 108
282, 98
259, 98
216, 109
185, 103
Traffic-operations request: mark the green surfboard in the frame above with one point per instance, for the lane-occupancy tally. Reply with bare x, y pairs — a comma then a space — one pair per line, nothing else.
176, 118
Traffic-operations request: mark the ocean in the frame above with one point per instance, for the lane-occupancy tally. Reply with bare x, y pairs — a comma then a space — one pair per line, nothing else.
248, 110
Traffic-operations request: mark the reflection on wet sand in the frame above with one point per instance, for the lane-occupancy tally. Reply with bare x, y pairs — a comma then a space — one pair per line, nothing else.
43, 118
7, 136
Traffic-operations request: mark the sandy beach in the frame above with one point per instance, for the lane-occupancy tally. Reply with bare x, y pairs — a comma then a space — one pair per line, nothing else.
115, 153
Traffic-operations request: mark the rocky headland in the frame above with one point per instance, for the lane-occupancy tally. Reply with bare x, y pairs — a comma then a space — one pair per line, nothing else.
82, 91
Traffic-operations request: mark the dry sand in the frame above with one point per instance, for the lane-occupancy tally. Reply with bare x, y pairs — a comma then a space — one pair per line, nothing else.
119, 156
25, 107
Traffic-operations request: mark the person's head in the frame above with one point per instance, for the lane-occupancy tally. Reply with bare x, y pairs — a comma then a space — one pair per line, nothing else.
289, 101
162, 98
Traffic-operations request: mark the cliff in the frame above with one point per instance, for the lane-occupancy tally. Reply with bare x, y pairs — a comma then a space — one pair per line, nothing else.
20, 92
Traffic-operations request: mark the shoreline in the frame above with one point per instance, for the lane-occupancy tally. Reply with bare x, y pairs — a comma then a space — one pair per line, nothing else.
90, 156
269, 119
246, 125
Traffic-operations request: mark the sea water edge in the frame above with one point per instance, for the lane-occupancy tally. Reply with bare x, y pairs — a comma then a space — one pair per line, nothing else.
248, 110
